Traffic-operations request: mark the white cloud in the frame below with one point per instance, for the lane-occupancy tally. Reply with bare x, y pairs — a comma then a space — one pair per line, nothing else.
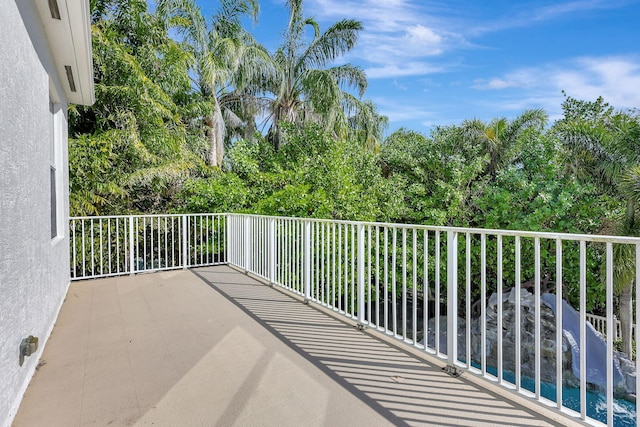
419, 35
401, 70
496, 83
615, 78
399, 85
385, 16
403, 37
398, 112
407, 37
399, 37
521, 78
527, 14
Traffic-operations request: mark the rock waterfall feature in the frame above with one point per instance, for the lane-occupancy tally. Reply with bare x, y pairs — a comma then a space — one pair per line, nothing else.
624, 375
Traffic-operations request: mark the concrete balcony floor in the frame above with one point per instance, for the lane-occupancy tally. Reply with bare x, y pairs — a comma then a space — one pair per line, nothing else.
214, 347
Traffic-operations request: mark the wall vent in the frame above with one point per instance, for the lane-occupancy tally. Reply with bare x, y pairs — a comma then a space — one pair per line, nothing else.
72, 83
53, 7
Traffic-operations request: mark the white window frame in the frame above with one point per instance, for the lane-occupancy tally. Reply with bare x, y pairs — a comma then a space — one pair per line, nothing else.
55, 166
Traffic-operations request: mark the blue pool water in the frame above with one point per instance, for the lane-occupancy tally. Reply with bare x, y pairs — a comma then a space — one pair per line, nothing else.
624, 412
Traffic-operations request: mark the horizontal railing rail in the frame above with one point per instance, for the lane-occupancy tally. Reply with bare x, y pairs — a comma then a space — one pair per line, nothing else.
489, 302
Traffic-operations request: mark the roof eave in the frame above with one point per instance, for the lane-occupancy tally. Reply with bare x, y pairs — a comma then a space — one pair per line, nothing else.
69, 38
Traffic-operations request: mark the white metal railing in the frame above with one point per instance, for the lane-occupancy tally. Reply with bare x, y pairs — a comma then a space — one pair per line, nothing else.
406, 280
116, 245
599, 323
427, 286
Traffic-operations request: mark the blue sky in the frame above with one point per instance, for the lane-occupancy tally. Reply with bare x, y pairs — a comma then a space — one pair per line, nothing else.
440, 62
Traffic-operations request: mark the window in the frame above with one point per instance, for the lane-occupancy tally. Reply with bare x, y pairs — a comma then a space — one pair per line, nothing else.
54, 204
53, 170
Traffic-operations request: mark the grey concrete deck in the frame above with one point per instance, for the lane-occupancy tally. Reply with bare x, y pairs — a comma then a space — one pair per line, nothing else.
213, 347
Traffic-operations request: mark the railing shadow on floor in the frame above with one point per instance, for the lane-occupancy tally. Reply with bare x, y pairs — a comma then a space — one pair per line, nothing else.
397, 385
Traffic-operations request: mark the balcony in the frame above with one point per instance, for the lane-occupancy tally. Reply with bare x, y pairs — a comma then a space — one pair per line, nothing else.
212, 346
335, 323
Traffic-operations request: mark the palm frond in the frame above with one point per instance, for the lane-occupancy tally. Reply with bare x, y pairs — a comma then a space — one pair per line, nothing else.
350, 77
365, 123
536, 118
630, 183
337, 40
231, 11
321, 90
185, 17
591, 145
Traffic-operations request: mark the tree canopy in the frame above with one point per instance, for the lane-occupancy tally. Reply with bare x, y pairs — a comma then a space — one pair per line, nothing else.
606, 148
303, 89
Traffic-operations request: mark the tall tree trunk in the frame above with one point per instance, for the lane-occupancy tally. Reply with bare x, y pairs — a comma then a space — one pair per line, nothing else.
626, 317
215, 133
626, 293
212, 159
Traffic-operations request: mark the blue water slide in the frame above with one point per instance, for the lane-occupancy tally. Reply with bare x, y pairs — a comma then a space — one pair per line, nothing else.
596, 346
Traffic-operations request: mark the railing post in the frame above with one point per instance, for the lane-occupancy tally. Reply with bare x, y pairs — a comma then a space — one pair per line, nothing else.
611, 327
452, 297
307, 260
272, 250
247, 244
360, 293
230, 240
185, 242
132, 267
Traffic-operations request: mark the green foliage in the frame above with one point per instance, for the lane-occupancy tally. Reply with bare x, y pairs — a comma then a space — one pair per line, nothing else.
606, 148
605, 145
546, 197
135, 140
297, 201
451, 178
314, 175
94, 188
224, 192
433, 175
501, 139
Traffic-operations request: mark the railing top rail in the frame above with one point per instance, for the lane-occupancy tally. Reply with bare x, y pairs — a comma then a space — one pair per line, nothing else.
477, 231
82, 218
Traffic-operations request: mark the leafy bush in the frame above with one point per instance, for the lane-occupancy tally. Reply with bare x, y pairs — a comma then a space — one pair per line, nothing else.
224, 192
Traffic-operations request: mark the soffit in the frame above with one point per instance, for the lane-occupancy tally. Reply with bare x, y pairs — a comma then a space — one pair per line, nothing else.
70, 41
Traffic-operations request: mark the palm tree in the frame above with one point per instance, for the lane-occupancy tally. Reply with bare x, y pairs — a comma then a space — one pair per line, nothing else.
226, 60
501, 138
303, 89
367, 125
607, 145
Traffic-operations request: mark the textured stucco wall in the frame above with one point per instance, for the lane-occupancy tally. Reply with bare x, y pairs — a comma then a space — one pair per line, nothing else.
34, 269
